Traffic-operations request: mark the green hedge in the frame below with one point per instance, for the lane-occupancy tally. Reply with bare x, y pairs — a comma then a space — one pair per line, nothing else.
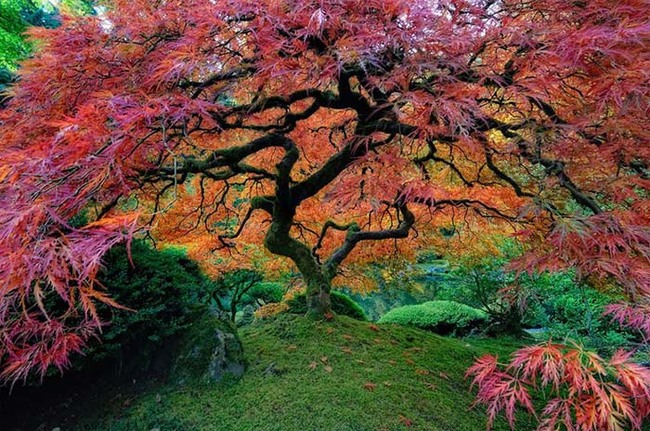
341, 304
441, 317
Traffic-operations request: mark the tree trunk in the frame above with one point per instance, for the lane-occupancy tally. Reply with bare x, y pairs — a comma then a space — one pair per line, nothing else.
319, 302
278, 241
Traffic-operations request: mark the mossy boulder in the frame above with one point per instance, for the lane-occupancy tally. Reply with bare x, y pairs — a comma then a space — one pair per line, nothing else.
210, 351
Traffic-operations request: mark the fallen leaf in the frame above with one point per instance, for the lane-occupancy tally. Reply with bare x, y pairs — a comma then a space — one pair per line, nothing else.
374, 327
329, 330
392, 362
292, 348
443, 375
313, 365
328, 368
406, 421
422, 372
348, 337
430, 386
388, 384
410, 362
346, 350
323, 359
369, 386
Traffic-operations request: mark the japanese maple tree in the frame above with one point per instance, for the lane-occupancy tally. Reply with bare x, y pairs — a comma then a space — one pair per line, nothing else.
325, 130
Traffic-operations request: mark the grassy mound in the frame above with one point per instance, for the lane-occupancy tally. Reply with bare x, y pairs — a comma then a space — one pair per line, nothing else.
304, 375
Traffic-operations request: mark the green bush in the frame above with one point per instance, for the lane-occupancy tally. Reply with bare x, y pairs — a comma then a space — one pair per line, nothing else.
161, 289
441, 317
341, 304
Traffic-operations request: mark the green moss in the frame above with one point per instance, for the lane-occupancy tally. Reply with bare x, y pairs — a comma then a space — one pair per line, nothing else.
305, 375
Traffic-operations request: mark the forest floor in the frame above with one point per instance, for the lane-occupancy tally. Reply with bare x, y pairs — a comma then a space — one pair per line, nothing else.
304, 375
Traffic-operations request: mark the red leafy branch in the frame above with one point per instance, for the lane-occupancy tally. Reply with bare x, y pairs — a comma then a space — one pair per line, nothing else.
583, 391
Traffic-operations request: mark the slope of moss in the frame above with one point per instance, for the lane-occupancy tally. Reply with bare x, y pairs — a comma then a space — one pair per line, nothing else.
303, 375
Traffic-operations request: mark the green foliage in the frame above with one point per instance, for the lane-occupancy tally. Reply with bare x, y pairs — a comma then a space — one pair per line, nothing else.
342, 305
80, 7
161, 290
553, 301
17, 15
12, 26
487, 285
573, 311
441, 317
6, 78
401, 283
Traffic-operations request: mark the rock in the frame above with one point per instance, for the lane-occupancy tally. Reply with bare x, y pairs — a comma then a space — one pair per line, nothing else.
209, 352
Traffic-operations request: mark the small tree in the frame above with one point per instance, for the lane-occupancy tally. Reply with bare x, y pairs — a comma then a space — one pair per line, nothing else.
230, 289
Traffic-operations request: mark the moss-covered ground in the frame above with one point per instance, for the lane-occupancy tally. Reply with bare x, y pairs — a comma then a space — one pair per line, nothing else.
304, 375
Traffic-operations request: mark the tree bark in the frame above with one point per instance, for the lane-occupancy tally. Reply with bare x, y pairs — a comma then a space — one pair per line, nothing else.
278, 241
319, 302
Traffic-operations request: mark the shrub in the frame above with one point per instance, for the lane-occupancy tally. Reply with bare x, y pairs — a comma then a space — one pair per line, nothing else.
441, 317
565, 307
161, 289
341, 304
571, 310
